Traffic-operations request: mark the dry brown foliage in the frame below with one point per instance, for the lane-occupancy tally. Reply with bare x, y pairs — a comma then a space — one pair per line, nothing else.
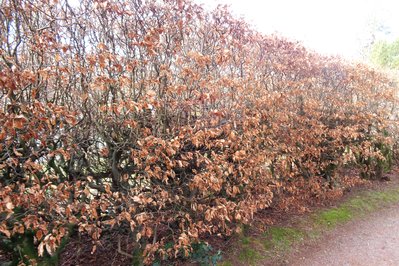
170, 121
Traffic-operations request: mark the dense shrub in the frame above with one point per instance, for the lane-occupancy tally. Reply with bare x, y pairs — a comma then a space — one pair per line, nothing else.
161, 118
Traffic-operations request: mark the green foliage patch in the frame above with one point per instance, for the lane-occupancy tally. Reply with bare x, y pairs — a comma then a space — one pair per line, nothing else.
282, 238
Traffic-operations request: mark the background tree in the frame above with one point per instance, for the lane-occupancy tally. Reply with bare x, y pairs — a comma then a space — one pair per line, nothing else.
385, 54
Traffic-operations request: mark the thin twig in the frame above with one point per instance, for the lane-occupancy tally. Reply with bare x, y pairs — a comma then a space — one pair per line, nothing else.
120, 251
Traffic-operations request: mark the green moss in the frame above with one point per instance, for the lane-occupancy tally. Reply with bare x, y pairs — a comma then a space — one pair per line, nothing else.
249, 255
390, 196
357, 206
278, 240
225, 263
246, 240
360, 204
363, 204
249, 251
281, 238
331, 218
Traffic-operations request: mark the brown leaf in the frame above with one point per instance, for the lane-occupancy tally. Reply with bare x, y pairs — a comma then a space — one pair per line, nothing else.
9, 205
19, 121
39, 234
70, 119
40, 249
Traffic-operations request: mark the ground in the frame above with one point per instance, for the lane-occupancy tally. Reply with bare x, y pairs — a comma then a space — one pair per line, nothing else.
371, 240
359, 229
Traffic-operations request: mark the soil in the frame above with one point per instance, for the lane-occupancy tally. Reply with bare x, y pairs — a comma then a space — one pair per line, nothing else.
369, 240
372, 240
78, 251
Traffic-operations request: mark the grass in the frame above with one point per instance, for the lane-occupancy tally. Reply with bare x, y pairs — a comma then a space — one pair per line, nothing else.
249, 256
356, 206
330, 218
282, 238
253, 249
225, 263
278, 240
249, 253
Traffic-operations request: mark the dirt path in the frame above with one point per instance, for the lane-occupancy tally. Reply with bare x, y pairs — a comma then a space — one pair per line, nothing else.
371, 240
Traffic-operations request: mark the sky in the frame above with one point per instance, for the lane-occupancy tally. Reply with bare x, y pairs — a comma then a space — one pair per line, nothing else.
339, 27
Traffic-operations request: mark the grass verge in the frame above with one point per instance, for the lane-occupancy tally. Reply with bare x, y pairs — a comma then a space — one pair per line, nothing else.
277, 241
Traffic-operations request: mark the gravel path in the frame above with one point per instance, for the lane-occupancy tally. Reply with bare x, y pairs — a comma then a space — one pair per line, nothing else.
372, 240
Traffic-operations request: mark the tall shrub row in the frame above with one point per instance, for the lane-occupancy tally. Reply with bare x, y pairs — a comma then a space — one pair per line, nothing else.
168, 122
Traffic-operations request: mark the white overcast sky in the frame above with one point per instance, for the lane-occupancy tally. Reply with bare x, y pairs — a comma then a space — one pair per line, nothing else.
338, 27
